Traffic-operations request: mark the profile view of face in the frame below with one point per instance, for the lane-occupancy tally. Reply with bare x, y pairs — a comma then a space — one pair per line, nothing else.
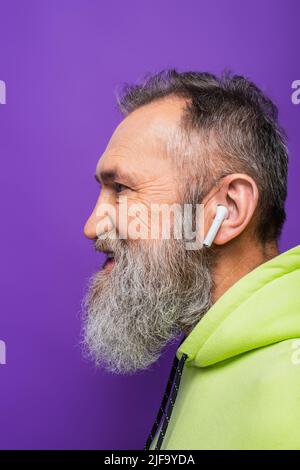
150, 289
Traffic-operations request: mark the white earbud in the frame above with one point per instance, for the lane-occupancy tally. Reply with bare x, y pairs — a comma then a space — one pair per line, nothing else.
221, 215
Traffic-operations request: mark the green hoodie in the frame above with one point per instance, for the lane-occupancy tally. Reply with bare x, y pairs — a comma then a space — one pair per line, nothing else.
240, 386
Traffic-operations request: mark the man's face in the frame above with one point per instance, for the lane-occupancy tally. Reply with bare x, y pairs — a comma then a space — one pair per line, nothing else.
151, 289
135, 166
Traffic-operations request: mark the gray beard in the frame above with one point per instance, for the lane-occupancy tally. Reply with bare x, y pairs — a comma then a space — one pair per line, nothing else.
155, 291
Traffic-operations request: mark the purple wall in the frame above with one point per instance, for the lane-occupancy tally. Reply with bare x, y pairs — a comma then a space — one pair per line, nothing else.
61, 61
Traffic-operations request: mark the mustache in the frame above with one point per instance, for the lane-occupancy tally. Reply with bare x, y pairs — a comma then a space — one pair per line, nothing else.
109, 245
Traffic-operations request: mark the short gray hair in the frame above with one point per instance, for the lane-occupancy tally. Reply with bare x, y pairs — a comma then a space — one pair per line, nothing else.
241, 131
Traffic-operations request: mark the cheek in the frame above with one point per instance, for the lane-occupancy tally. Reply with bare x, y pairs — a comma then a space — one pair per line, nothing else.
133, 218
139, 218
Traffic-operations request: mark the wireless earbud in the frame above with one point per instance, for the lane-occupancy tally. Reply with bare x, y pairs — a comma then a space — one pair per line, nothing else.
221, 215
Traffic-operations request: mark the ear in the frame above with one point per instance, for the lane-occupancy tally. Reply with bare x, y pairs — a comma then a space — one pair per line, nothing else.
239, 193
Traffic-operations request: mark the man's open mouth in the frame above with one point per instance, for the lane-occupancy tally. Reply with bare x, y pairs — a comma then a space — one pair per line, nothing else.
110, 260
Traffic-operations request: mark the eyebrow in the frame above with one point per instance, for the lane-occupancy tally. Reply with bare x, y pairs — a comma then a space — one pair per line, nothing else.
109, 176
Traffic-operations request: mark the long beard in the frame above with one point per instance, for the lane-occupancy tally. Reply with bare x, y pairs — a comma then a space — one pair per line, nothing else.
154, 292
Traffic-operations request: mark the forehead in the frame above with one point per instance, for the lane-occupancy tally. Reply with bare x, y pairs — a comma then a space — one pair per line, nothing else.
140, 139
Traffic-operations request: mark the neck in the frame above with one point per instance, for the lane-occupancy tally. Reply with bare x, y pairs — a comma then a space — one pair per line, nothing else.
235, 259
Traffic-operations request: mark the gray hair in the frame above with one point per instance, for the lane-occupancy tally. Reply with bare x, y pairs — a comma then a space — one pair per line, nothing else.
239, 126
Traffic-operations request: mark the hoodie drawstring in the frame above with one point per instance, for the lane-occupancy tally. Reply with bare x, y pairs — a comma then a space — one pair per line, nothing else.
169, 396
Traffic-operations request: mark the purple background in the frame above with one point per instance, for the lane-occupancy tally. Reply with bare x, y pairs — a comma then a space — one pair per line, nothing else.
61, 61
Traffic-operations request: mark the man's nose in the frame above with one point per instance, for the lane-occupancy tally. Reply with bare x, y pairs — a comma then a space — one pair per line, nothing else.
100, 220
90, 227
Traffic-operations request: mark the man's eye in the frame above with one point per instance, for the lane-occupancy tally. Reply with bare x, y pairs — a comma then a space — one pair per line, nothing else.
120, 187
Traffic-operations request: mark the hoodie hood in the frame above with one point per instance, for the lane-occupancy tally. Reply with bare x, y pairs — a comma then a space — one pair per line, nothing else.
260, 309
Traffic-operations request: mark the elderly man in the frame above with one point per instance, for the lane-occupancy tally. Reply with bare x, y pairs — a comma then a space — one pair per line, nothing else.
195, 139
